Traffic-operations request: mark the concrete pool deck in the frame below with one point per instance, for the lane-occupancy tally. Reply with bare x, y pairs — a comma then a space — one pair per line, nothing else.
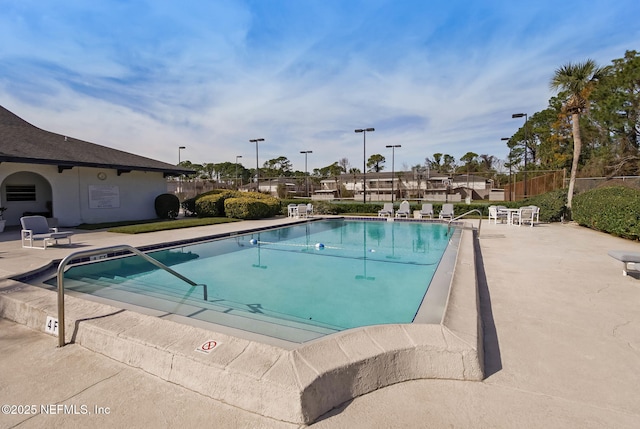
561, 340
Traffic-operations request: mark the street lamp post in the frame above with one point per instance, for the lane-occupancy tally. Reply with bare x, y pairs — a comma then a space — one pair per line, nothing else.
257, 171
237, 156
510, 165
180, 177
306, 174
526, 147
364, 132
393, 163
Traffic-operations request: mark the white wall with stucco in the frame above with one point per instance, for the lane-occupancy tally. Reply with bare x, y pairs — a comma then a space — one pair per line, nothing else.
69, 193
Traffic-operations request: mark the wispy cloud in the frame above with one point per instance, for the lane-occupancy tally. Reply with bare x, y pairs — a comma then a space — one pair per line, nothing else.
149, 76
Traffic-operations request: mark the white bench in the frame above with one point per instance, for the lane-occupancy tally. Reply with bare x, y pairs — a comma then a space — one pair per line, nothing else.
626, 257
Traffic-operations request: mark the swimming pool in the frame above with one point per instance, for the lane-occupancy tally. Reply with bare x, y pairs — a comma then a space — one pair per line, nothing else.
294, 283
295, 380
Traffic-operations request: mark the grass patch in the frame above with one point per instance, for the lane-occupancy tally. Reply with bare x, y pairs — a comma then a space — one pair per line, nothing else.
153, 225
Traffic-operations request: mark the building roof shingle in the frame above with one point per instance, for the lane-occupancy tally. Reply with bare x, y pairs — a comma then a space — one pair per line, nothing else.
22, 142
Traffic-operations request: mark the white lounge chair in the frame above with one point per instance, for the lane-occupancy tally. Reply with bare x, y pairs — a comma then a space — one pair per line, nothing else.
626, 257
387, 210
36, 228
404, 209
447, 211
426, 210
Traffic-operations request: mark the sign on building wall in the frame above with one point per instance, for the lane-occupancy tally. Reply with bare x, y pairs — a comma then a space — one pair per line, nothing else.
104, 197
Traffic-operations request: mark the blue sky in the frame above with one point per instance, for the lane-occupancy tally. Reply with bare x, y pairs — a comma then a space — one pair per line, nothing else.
150, 76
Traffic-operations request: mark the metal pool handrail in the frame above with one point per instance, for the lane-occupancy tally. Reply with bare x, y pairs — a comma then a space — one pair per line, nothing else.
463, 215
102, 251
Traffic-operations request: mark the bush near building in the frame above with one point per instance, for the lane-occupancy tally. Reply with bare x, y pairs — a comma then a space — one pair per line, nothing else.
233, 204
167, 206
553, 205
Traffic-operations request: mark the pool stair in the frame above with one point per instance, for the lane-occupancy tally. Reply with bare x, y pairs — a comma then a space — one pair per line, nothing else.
297, 384
170, 303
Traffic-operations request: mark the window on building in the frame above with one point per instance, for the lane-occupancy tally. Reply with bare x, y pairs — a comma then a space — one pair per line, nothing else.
21, 192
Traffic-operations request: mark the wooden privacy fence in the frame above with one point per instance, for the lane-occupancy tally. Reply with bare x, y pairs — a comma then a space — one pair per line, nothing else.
535, 185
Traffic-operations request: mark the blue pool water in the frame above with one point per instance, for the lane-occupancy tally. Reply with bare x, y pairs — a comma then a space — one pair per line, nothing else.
322, 276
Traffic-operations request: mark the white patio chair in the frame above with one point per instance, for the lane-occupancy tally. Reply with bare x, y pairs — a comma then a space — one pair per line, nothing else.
495, 213
302, 210
536, 213
526, 214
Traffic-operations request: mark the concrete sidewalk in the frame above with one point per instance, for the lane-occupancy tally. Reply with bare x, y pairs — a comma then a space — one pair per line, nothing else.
562, 349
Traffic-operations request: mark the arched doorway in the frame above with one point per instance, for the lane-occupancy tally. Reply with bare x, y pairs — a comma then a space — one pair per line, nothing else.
25, 192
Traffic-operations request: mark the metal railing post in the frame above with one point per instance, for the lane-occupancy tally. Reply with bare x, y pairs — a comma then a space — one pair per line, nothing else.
463, 215
101, 251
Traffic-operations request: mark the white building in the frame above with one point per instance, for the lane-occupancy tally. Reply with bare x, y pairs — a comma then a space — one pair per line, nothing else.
406, 185
73, 180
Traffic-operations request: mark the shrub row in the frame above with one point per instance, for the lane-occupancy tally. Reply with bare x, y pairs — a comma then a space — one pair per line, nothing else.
615, 210
552, 205
212, 205
233, 204
247, 208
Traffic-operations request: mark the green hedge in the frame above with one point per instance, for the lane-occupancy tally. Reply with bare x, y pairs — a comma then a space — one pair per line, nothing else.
189, 205
552, 205
251, 208
211, 205
214, 204
615, 210
324, 207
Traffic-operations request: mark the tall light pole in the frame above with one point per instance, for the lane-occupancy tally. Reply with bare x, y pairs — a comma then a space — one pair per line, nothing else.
393, 163
306, 174
237, 156
510, 165
180, 177
257, 171
364, 132
526, 147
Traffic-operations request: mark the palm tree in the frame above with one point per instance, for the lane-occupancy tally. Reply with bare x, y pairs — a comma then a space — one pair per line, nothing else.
578, 81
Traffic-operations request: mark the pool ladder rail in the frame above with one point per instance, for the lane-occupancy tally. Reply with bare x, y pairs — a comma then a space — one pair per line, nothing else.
103, 251
463, 215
